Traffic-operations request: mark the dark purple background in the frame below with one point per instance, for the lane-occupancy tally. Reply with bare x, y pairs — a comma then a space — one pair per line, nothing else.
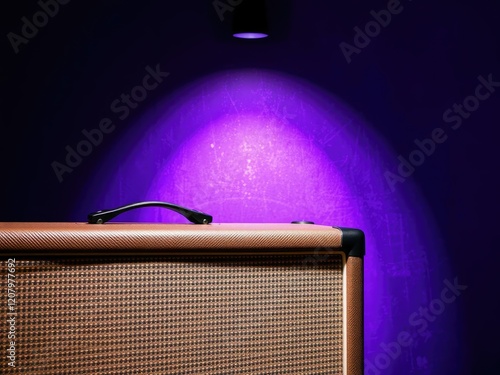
426, 59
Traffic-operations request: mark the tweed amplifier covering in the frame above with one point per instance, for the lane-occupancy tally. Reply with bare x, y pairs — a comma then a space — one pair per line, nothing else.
278, 309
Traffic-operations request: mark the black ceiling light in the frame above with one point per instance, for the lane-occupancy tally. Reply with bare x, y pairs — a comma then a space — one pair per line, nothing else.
250, 20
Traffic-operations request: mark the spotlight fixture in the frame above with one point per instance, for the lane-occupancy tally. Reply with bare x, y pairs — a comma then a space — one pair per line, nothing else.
250, 20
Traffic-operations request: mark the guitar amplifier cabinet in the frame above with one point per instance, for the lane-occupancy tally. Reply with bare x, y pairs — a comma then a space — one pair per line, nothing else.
177, 299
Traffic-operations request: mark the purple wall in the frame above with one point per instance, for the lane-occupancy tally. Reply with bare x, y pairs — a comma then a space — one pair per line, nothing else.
262, 146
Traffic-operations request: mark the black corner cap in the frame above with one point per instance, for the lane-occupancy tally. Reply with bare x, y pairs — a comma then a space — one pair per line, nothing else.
353, 242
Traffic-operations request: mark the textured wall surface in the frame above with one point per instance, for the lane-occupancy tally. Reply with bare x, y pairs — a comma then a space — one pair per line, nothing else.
260, 146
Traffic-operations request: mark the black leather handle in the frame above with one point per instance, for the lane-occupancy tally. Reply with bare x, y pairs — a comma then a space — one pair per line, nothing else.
194, 216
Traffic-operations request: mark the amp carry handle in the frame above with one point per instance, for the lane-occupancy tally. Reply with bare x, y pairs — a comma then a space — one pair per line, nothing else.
194, 216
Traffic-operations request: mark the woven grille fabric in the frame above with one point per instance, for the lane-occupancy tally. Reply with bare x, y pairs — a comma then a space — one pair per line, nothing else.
172, 315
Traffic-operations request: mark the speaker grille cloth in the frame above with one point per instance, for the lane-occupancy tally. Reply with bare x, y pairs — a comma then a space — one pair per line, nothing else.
173, 315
